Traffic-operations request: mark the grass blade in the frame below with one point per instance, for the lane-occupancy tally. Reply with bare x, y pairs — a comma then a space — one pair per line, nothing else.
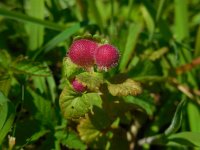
25, 18
177, 119
35, 32
197, 44
181, 19
59, 38
134, 31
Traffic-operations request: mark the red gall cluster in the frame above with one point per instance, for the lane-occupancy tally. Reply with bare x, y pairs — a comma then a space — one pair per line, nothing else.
87, 53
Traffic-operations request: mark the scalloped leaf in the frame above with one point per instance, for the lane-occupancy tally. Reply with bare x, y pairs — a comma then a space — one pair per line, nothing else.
25, 66
92, 80
129, 87
75, 105
70, 69
87, 130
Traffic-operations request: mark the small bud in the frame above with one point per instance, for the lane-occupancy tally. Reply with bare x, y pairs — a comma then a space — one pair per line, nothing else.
78, 87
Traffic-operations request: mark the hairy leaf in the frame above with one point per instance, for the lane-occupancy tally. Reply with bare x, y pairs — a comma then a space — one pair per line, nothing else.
129, 87
75, 105
92, 80
69, 68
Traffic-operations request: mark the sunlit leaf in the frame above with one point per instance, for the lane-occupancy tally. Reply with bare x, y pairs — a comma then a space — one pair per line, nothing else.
91, 79
129, 87
69, 68
75, 105
87, 131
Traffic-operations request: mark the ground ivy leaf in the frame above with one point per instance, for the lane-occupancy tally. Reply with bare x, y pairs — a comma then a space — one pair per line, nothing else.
75, 105
87, 130
129, 87
70, 69
91, 79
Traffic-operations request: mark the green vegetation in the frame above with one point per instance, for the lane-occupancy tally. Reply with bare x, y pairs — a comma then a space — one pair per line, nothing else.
150, 100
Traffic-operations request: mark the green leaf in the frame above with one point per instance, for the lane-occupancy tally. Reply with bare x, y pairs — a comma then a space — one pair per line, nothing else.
43, 107
70, 140
129, 87
25, 18
149, 20
193, 112
177, 119
7, 115
149, 70
154, 55
52, 87
197, 43
186, 138
92, 80
37, 135
99, 118
5, 59
3, 109
75, 105
70, 69
5, 84
26, 66
95, 15
143, 101
87, 130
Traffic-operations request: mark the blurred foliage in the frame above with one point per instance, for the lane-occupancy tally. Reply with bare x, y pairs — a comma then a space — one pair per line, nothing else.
159, 43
